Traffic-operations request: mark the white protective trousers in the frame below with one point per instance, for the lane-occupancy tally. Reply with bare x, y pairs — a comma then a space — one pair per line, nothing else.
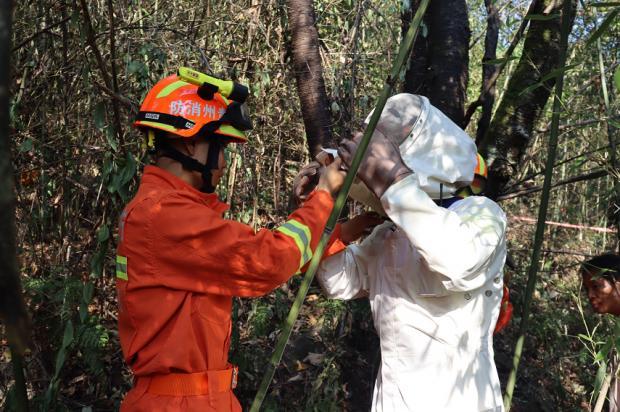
434, 280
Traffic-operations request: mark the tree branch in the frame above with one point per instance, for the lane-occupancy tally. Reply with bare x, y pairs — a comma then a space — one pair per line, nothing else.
580, 178
90, 39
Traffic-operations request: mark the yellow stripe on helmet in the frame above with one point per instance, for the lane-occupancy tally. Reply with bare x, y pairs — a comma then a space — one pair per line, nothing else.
170, 88
157, 125
233, 132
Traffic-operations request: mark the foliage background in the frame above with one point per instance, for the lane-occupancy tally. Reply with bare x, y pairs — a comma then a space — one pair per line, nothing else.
77, 161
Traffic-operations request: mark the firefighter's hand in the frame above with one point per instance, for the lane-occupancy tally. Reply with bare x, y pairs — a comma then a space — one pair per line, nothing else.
382, 165
360, 225
332, 178
305, 182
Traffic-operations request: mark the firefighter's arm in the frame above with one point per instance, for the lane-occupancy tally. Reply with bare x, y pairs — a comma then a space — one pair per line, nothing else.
202, 252
461, 243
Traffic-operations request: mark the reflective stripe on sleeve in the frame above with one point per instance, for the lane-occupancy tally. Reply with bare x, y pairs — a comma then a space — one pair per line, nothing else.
302, 236
121, 267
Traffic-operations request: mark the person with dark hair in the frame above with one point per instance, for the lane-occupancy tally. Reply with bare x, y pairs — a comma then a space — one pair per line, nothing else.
601, 278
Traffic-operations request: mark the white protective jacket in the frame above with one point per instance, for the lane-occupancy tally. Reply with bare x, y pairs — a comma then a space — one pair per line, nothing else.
434, 279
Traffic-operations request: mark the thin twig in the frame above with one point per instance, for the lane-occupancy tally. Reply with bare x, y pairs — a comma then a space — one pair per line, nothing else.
40, 32
130, 104
565, 225
553, 251
579, 124
512, 187
117, 116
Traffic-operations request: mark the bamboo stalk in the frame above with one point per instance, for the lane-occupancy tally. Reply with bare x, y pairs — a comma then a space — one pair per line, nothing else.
544, 203
610, 134
404, 51
602, 395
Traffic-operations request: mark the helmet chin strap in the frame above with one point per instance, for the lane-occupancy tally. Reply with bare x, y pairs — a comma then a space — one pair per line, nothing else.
189, 163
213, 162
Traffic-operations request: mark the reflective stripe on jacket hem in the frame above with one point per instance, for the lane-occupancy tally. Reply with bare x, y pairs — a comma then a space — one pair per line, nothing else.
121, 267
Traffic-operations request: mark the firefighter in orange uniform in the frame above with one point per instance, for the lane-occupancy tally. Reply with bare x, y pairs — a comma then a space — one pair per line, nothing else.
179, 262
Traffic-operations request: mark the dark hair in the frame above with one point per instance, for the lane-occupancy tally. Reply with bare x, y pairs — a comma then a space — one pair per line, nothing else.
606, 265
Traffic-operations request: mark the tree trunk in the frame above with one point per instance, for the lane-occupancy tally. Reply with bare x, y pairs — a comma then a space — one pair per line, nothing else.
438, 68
12, 308
309, 75
511, 129
487, 95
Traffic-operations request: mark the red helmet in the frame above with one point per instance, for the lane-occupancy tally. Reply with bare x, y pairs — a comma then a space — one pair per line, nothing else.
187, 110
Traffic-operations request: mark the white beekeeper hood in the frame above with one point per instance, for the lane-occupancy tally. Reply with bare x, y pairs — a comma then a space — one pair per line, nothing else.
441, 154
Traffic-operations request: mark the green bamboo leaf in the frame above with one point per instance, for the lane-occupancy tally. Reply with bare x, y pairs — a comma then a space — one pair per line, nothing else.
617, 327
68, 335
552, 74
617, 79
600, 376
83, 312
67, 339
96, 264
500, 60
129, 170
137, 67
87, 292
558, 71
99, 115
606, 4
601, 355
584, 337
26, 146
542, 17
110, 135
103, 234
604, 26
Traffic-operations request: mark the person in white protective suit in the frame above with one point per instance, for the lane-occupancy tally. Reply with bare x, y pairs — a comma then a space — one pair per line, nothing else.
434, 273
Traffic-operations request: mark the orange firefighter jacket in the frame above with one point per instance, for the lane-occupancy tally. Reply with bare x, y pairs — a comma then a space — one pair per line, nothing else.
179, 263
